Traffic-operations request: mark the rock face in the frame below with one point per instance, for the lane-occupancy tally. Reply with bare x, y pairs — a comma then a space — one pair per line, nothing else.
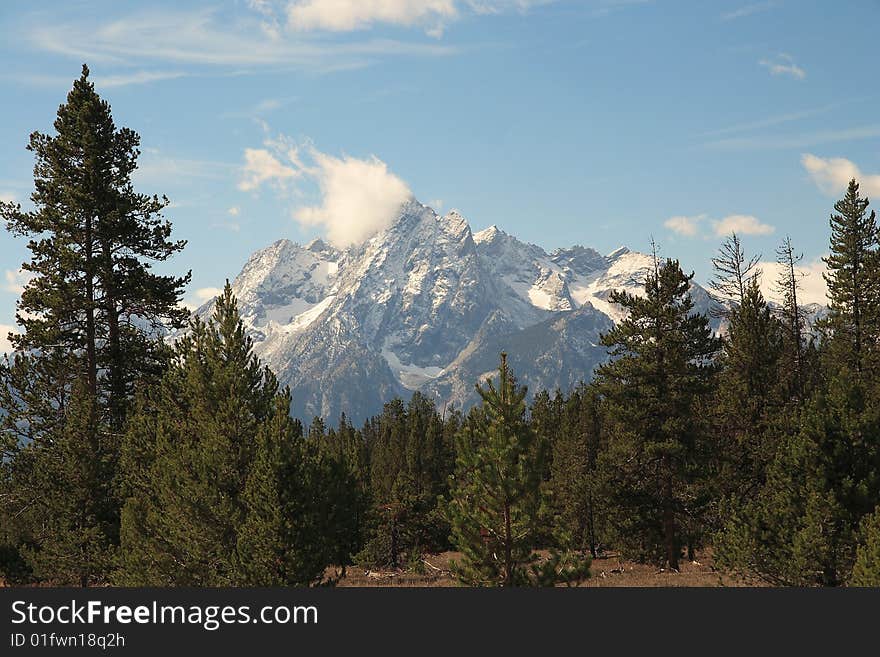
428, 305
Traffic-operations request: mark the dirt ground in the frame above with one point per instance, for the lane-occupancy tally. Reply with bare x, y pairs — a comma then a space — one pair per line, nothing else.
605, 571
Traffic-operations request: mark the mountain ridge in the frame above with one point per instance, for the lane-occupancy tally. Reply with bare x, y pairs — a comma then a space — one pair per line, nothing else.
427, 304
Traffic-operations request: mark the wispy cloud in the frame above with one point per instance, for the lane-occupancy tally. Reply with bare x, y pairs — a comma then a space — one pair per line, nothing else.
138, 77
202, 38
771, 121
602, 8
749, 10
800, 141
101, 81
832, 175
318, 36
261, 167
155, 166
784, 64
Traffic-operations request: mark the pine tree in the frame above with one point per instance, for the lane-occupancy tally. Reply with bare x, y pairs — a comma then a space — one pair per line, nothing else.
852, 327
661, 367
409, 465
343, 462
283, 540
91, 288
866, 571
187, 455
748, 398
496, 496
733, 273
791, 315
68, 530
91, 311
574, 481
801, 528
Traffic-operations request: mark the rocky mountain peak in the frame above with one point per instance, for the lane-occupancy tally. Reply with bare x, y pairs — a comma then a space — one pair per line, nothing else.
427, 305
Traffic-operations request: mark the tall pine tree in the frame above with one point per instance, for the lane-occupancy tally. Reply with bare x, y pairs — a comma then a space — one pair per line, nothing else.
852, 327
91, 311
662, 365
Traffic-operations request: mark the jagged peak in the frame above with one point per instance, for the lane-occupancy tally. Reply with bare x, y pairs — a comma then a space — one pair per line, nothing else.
319, 246
618, 252
454, 223
488, 234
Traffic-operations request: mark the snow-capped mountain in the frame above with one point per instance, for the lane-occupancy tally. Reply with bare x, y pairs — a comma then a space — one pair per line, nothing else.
428, 305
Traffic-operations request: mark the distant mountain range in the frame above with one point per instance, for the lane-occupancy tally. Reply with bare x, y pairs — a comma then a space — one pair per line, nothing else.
428, 305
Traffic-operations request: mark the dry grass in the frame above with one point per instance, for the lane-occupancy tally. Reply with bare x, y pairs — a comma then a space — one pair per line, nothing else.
605, 571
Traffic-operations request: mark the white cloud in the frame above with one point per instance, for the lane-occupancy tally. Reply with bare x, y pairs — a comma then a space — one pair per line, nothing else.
813, 288
14, 281
349, 15
207, 293
832, 175
683, 225
262, 166
432, 15
748, 10
742, 224
359, 197
784, 64
234, 211
198, 297
7, 197
437, 204
5, 345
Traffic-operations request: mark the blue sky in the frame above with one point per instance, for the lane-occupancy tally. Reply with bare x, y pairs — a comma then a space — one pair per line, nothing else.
600, 122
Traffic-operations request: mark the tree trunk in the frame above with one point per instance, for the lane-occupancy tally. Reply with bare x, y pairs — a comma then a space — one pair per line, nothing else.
508, 540
669, 520
591, 525
91, 350
114, 346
